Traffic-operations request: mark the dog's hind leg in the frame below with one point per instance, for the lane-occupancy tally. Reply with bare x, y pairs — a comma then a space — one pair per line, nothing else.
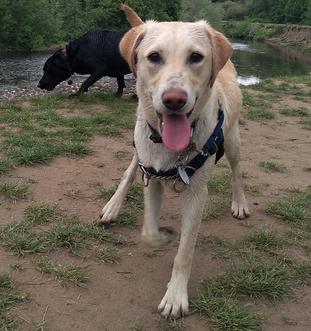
239, 205
112, 209
121, 84
175, 301
95, 76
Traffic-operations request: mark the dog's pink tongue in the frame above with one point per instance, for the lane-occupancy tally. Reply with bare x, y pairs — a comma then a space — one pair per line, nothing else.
176, 132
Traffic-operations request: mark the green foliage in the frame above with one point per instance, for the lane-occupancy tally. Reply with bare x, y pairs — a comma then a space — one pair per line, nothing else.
31, 24
247, 30
201, 9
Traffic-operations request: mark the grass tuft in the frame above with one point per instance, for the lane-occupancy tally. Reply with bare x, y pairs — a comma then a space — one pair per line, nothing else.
298, 112
108, 255
72, 234
13, 191
295, 209
226, 314
9, 297
66, 274
220, 184
5, 167
40, 213
171, 325
217, 208
259, 114
272, 166
20, 239
264, 240
306, 123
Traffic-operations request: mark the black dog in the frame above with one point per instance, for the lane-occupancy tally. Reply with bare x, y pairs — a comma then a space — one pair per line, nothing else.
96, 53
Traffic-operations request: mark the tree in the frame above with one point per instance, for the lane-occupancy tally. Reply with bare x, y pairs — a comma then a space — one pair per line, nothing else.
193, 10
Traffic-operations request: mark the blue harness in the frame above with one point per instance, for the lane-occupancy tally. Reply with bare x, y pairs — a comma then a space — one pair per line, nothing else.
214, 145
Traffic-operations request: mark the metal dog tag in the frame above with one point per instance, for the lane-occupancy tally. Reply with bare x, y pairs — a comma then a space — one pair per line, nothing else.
183, 175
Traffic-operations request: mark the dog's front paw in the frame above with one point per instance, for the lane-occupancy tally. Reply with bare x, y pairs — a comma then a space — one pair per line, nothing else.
240, 209
175, 302
110, 212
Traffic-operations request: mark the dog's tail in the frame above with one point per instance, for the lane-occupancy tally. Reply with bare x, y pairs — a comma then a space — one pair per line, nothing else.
131, 15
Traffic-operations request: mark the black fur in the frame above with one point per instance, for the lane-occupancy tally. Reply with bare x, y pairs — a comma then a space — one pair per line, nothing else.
95, 53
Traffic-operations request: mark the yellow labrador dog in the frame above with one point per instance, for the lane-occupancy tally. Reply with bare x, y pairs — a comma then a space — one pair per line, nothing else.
189, 105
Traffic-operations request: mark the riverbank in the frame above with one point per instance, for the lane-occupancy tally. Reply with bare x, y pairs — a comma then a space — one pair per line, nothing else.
283, 35
106, 84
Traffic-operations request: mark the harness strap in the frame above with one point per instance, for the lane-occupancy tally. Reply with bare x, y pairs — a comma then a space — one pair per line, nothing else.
214, 144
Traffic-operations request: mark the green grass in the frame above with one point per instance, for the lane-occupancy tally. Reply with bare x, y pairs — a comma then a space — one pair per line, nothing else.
226, 314
102, 191
286, 86
21, 240
108, 255
5, 167
306, 123
135, 196
297, 112
171, 325
220, 184
272, 166
40, 213
133, 205
66, 274
257, 243
295, 209
267, 241
14, 191
259, 114
67, 232
38, 147
35, 132
217, 208
264, 280
9, 297
72, 234
256, 108
268, 279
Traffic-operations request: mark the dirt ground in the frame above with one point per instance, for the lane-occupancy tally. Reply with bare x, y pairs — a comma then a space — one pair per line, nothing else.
125, 296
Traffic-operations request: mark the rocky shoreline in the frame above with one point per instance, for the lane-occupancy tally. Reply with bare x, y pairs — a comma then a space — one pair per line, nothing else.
106, 84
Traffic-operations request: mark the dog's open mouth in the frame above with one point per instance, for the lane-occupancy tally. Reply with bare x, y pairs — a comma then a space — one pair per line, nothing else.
176, 131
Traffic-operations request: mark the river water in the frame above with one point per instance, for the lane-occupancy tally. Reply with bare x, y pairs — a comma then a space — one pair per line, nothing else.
20, 73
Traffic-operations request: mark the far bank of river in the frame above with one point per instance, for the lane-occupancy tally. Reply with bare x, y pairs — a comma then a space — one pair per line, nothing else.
281, 35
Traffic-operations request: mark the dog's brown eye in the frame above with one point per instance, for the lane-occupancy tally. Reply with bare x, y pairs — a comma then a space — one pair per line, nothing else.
195, 57
154, 57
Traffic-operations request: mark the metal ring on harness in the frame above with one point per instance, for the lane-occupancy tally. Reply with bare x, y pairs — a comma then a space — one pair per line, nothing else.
176, 181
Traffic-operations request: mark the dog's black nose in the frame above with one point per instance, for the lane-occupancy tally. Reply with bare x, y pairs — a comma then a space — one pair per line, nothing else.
39, 85
174, 99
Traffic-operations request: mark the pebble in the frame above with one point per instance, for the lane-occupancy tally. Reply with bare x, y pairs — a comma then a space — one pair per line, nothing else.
106, 84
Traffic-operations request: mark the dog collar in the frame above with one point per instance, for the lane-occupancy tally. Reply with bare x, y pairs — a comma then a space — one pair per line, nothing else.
214, 145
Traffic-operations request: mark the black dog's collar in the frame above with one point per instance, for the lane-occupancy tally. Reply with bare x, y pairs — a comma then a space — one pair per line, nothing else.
65, 51
214, 144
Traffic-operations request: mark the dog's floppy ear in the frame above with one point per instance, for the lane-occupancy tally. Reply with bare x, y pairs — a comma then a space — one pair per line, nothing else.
128, 46
221, 52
